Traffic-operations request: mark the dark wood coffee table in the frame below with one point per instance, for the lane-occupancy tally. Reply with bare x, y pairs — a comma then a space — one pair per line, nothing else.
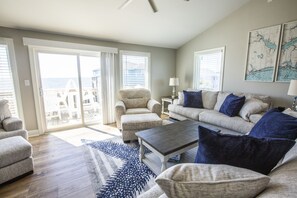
168, 141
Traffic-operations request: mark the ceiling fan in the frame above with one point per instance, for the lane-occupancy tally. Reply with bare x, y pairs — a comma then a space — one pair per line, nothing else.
151, 2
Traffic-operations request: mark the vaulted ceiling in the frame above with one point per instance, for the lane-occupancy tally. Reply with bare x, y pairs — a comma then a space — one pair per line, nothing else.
175, 23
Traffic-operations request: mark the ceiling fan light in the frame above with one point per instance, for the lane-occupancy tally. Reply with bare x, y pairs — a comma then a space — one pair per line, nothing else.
125, 4
153, 6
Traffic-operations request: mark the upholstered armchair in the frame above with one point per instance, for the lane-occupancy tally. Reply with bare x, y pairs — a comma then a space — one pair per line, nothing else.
10, 126
135, 101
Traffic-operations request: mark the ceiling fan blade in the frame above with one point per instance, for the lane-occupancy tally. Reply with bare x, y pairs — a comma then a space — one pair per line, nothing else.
153, 5
125, 4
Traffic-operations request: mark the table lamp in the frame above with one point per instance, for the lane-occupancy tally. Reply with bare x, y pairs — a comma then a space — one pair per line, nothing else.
293, 92
173, 82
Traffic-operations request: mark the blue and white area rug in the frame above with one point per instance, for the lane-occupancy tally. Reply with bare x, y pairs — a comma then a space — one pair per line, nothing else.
115, 169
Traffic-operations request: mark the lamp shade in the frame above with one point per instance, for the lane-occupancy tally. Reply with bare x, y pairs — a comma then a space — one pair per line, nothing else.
293, 88
173, 82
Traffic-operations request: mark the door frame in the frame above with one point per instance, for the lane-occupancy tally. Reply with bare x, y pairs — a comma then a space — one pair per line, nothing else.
36, 83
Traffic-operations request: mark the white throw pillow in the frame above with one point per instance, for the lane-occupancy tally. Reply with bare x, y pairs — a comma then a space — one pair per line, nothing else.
290, 112
220, 100
252, 106
181, 99
211, 180
4, 110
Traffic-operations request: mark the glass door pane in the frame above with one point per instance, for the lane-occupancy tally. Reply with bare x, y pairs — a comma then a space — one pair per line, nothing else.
91, 88
60, 87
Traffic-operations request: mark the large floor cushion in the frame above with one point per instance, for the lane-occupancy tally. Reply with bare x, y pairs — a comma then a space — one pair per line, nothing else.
133, 123
234, 123
15, 158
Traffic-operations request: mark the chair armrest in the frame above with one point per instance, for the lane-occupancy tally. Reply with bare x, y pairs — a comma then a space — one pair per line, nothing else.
120, 109
154, 106
12, 124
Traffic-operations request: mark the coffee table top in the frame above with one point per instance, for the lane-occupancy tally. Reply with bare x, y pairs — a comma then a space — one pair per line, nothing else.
172, 137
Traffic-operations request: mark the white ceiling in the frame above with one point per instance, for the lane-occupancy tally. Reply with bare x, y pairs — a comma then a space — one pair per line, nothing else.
176, 22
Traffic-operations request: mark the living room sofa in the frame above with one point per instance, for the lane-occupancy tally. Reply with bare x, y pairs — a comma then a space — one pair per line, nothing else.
283, 180
212, 102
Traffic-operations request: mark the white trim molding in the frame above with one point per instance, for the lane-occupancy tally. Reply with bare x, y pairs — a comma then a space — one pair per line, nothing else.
67, 45
33, 133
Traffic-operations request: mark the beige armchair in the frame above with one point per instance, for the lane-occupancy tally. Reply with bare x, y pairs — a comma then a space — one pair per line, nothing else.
135, 101
10, 126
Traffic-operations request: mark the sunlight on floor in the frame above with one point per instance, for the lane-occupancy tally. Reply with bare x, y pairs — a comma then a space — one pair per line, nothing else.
95, 132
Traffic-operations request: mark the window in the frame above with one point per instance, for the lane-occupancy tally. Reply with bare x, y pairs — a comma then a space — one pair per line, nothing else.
208, 69
135, 69
8, 77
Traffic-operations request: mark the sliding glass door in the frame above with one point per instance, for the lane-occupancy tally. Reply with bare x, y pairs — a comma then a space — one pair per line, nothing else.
69, 89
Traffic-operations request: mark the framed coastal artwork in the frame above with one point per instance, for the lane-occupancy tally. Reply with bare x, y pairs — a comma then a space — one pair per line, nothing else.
262, 54
287, 65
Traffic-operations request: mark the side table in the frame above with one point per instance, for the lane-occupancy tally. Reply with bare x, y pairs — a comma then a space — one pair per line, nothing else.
165, 102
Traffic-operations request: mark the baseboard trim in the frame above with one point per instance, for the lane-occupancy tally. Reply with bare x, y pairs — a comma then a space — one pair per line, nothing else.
33, 133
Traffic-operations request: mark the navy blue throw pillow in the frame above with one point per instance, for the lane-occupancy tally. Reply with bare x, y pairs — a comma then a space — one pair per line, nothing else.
232, 105
275, 124
193, 99
260, 155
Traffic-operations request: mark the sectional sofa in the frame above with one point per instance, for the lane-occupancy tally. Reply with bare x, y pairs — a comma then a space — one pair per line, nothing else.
283, 177
251, 112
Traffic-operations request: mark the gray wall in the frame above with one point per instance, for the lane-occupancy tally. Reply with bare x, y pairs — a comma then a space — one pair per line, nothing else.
162, 62
232, 32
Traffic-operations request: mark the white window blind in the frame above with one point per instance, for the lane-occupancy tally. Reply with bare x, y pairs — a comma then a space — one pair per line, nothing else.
7, 90
208, 69
135, 71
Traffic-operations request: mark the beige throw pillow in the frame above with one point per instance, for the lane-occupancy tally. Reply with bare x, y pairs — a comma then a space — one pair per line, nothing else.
209, 180
220, 100
252, 106
4, 110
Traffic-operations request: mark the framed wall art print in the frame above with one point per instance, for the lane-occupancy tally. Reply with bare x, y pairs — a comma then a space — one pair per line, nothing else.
287, 65
262, 54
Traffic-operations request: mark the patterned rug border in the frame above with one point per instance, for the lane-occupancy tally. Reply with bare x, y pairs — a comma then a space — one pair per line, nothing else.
128, 180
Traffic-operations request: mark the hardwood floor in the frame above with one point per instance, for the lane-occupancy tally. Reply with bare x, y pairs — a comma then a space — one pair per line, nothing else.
59, 165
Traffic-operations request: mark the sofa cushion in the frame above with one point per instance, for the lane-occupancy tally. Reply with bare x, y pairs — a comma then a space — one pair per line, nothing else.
193, 99
254, 118
284, 126
205, 180
135, 98
260, 155
220, 100
209, 99
234, 123
192, 113
252, 106
232, 105
4, 110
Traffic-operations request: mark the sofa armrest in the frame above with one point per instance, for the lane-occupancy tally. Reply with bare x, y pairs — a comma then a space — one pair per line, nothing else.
12, 124
120, 109
154, 106
175, 101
